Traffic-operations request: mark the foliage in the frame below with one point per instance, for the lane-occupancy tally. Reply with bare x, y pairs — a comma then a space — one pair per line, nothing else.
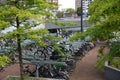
64, 24
83, 35
70, 10
52, 41
78, 11
26, 78
108, 16
4, 60
115, 63
24, 15
101, 52
59, 14
77, 36
105, 18
61, 53
96, 33
105, 14
114, 52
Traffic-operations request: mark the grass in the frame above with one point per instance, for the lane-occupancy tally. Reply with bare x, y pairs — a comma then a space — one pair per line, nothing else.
25, 78
115, 63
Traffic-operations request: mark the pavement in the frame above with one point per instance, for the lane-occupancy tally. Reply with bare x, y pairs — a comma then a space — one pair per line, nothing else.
10, 71
85, 68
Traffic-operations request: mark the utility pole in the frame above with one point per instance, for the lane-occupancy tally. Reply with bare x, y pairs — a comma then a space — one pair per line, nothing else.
81, 12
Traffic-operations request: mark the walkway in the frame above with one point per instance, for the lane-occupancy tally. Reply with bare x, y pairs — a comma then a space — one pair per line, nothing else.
85, 69
11, 70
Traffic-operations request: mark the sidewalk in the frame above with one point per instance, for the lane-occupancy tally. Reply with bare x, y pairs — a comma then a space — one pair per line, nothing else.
85, 69
11, 70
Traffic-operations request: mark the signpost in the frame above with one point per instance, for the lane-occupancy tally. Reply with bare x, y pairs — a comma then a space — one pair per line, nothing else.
81, 16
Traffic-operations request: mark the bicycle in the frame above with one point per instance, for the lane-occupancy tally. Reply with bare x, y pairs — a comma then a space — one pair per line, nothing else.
43, 52
52, 71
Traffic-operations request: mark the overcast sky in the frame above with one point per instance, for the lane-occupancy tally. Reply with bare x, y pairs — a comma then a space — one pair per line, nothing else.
64, 4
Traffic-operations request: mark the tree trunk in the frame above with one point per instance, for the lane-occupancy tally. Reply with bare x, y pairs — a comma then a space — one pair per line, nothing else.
19, 51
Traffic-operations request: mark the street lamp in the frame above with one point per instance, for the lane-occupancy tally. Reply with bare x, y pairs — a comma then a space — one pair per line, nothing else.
81, 12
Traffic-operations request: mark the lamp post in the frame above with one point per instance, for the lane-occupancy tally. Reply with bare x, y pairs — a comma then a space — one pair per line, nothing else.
81, 21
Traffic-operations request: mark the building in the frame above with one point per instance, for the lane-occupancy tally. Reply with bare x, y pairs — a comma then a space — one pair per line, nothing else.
85, 5
77, 4
2, 1
55, 1
54, 11
85, 2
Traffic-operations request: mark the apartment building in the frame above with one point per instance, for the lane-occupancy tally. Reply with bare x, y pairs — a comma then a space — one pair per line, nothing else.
2, 1
55, 1
56, 9
85, 5
77, 4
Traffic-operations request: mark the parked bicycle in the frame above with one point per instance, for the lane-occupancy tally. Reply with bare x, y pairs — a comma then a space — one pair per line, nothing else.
43, 52
52, 71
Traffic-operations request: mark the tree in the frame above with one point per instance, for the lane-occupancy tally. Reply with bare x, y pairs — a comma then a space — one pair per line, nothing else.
70, 10
105, 18
59, 14
23, 15
4, 60
78, 11
105, 14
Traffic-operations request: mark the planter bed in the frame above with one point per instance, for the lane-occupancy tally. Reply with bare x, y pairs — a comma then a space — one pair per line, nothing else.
111, 73
31, 78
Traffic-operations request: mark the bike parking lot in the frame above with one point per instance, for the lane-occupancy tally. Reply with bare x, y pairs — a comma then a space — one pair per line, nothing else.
46, 60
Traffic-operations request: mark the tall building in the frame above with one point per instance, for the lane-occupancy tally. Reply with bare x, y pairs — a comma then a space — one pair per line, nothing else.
85, 5
2, 1
85, 2
55, 1
54, 11
77, 4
